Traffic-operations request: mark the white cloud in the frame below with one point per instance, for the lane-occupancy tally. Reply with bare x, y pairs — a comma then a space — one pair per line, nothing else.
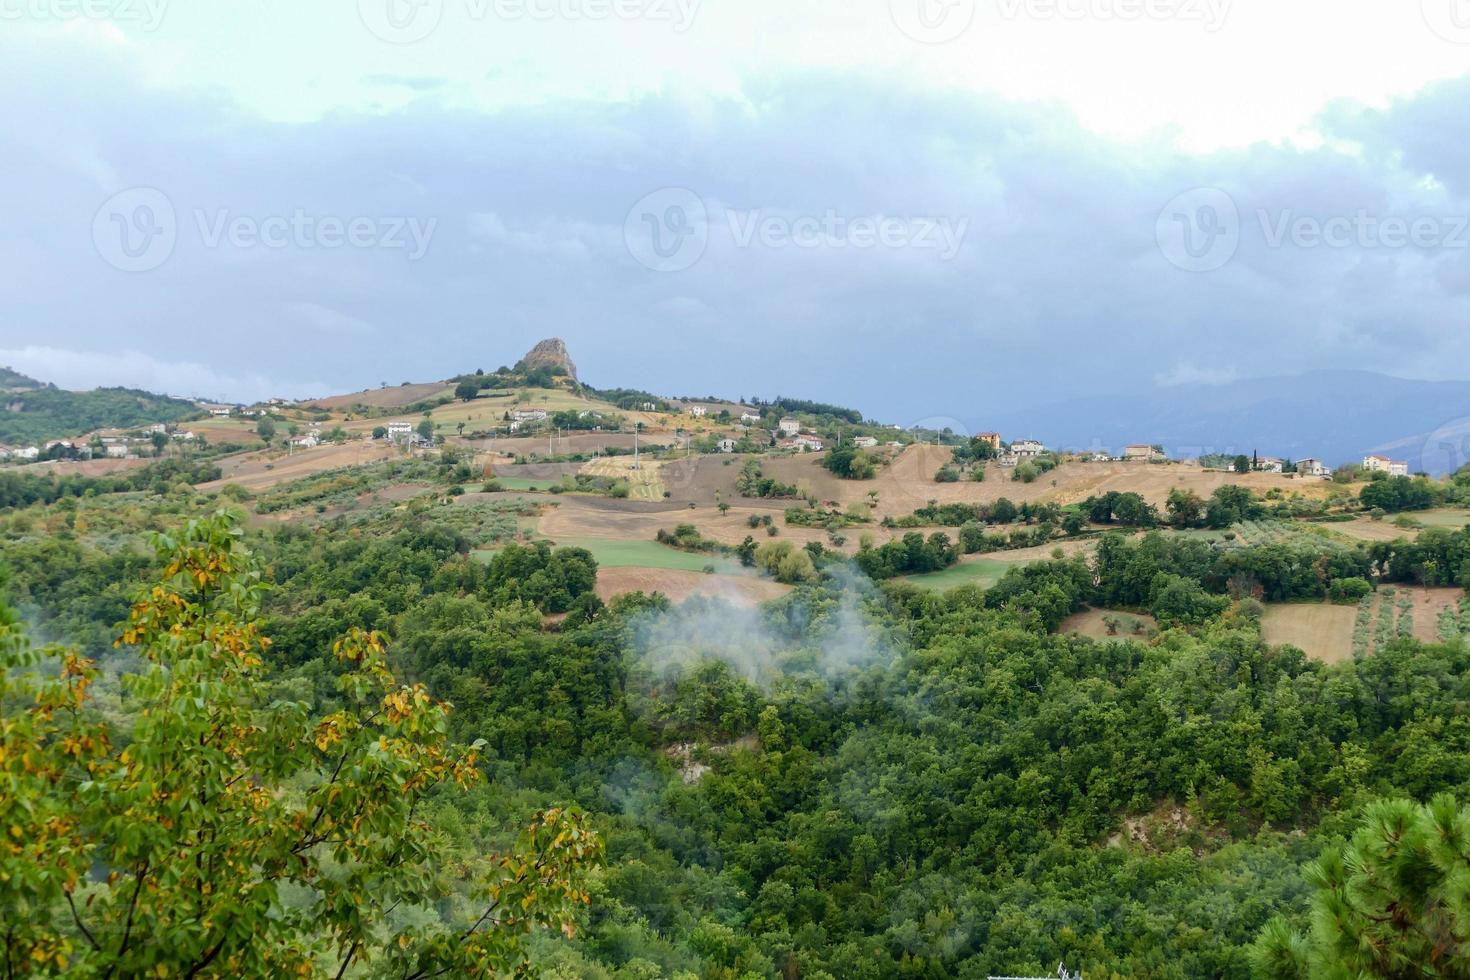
549, 236
328, 320
81, 370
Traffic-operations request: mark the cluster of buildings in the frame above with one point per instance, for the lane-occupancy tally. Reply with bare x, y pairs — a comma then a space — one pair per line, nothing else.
788, 435
526, 416
102, 444
1382, 464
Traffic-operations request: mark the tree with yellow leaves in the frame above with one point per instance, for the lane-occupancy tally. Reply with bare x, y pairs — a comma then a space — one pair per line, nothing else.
217, 834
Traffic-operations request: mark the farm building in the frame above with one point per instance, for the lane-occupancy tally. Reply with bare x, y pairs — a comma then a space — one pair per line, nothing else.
1142, 451
727, 445
865, 442
1312, 467
789, 426
1022, 448
1382, 464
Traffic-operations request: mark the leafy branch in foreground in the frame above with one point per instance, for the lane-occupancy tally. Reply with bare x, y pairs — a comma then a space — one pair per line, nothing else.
220, 834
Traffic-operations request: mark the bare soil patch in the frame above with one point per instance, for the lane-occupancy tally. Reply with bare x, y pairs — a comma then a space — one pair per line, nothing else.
264, 469
397, 396
1321, 630
81, 467
679, 585
1093, 623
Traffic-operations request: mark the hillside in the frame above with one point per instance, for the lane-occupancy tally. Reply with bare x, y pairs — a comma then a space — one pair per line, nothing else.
38, 414
12, 380
1336, 416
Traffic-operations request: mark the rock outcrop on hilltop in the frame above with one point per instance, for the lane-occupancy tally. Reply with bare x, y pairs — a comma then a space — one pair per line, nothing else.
550, 353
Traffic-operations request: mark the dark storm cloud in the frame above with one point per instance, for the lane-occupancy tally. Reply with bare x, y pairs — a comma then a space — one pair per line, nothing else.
426, 241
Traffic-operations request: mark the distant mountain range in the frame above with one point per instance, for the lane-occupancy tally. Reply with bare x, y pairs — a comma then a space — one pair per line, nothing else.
1336, 416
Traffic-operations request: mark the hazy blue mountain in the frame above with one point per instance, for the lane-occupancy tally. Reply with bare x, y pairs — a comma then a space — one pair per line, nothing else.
1336, 416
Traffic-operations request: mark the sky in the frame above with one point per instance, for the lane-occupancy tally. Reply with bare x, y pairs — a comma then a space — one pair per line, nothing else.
928, 209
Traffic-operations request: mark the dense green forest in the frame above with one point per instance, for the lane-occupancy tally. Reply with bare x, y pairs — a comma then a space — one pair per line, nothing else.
32, 416
860, 779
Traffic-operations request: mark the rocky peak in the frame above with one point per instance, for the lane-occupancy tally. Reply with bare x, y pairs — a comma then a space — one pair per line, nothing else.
550, 353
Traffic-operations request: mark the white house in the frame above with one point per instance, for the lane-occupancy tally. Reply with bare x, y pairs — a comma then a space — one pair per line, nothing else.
750, 417
186, 435
1269, 464
727, 445
1099, 457
1312, 467
698, 411
398, 431
528, 415
220, 412
864, 442
1023, 448
117, 450
308, 441
789, 426
806, 444
1382, 464
29, 452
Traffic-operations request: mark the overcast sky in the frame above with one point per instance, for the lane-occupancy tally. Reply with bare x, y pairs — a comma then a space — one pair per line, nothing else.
926, 208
